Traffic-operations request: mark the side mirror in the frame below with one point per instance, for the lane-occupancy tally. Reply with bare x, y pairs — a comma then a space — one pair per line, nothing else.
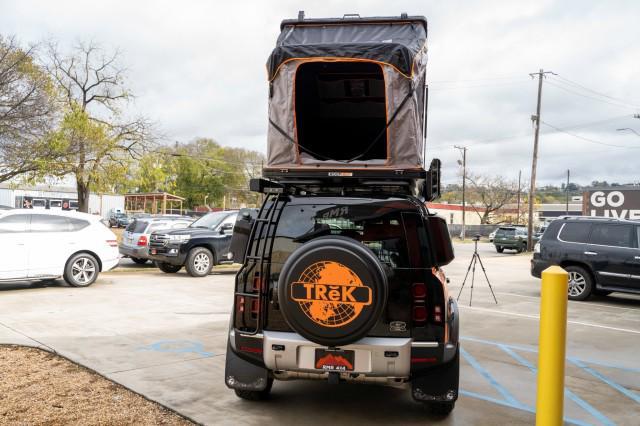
432, 188
226, 227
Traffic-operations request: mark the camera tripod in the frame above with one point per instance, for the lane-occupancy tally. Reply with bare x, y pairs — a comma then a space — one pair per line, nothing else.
472, 267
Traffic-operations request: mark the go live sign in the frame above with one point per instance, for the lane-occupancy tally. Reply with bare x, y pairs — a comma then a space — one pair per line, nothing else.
621, 204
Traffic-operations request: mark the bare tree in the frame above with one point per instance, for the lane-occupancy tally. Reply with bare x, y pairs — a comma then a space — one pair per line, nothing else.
97, 142
493, 193
27, 110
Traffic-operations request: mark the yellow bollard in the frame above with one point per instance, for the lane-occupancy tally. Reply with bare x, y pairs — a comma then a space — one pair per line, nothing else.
552, 346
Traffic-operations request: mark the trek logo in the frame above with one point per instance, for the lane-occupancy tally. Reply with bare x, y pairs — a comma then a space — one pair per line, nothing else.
330, 294
310, 292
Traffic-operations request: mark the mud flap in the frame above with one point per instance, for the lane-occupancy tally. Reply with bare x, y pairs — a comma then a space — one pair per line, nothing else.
243, 375
439, 384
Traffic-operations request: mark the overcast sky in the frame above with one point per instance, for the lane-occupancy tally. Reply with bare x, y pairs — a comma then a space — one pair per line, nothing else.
198, 69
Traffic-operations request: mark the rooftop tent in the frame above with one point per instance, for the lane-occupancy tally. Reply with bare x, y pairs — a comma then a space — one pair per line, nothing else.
347, 93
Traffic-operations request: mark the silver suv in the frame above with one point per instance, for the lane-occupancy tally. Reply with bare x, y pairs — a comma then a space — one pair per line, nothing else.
135, 239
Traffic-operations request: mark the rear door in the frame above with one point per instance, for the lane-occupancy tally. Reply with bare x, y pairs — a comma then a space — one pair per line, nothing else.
13, 246
613, 252
50, 244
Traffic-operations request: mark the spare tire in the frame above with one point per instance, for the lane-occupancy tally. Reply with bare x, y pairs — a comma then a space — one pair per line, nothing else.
332, 290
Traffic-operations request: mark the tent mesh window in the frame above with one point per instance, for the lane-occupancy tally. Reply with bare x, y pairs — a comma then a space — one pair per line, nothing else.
340, 111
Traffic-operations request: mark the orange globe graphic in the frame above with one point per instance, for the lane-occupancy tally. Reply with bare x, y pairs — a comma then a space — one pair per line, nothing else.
326, 313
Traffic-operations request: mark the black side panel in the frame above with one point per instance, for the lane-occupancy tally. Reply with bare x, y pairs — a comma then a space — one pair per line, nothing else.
241, 231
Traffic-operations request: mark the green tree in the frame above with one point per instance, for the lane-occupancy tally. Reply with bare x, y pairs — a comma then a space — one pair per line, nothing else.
27, 109
95, 141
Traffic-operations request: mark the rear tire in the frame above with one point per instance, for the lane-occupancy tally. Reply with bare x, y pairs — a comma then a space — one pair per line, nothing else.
168, 268
81, 270
499, 249
199, 262
580, 283
139, 261
255, 395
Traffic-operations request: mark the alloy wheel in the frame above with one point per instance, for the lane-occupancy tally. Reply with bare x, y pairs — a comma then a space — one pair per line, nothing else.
201, 263
83, 270
577, 284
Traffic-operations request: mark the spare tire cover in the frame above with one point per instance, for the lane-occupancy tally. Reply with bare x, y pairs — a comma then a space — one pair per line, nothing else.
332, 290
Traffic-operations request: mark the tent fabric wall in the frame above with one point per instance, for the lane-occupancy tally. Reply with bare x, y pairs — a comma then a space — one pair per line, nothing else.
405, 142
404, 133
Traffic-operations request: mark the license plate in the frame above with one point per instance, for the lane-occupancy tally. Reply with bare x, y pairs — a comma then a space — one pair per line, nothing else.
334, 360
154, 251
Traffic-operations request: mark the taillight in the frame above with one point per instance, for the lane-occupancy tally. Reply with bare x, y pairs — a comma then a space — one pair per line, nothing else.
257, 282
419, 294
241, 304
419, 315
142, 241
255, 306
437, 314
112, 243
419, 291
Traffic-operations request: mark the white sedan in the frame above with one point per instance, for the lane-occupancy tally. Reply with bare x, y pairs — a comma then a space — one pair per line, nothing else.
39, 244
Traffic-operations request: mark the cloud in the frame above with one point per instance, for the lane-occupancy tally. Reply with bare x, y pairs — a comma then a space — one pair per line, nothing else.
198, 69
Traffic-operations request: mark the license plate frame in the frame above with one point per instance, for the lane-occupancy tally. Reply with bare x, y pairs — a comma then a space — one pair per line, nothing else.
337, 360
154, 251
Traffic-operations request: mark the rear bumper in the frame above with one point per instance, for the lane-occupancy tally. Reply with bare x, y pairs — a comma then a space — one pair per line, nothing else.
139, 252
289, 355
110, 264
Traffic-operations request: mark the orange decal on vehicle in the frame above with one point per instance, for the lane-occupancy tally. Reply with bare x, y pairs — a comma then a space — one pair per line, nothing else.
333, 362
330, 294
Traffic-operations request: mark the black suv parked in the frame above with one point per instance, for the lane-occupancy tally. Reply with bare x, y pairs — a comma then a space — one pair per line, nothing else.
602, 255
198, 247
344, 288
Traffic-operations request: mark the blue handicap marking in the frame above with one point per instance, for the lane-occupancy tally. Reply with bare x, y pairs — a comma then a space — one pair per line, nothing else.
509, 400
177, 347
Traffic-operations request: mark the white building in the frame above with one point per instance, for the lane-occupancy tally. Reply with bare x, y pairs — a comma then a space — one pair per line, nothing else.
55, 197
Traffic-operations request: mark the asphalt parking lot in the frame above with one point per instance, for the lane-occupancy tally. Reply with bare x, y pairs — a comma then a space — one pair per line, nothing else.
165, 335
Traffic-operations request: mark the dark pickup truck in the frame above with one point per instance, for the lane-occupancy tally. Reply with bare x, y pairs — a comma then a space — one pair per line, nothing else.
199, 247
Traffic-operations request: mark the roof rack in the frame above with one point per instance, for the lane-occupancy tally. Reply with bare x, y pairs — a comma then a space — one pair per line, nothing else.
424, 184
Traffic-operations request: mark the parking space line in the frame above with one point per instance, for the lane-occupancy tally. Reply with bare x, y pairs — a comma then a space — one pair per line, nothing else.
537, 317
606, 380
517, 407
591, 304
572, 396
510, 399
534, 350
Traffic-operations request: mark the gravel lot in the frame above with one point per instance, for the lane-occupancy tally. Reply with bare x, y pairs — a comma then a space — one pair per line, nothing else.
38, 387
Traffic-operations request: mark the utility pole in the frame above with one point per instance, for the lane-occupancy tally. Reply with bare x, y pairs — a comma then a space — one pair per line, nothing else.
567, 189
463, 150
519, 190
534, 164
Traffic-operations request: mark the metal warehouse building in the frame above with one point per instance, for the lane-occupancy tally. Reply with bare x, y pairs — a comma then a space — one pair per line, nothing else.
57, 198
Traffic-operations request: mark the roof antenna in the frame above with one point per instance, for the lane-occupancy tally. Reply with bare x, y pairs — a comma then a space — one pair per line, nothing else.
301, 15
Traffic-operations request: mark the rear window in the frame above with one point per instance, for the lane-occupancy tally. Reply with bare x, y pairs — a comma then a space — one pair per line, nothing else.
612, 235
137, 226
379, 228
575, 232
506, 232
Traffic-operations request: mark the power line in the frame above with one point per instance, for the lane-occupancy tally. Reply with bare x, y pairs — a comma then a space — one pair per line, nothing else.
619, 105
589, 139
566, 80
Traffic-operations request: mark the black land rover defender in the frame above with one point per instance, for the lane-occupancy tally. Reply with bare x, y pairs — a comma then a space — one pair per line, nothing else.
341, 277
344, 288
